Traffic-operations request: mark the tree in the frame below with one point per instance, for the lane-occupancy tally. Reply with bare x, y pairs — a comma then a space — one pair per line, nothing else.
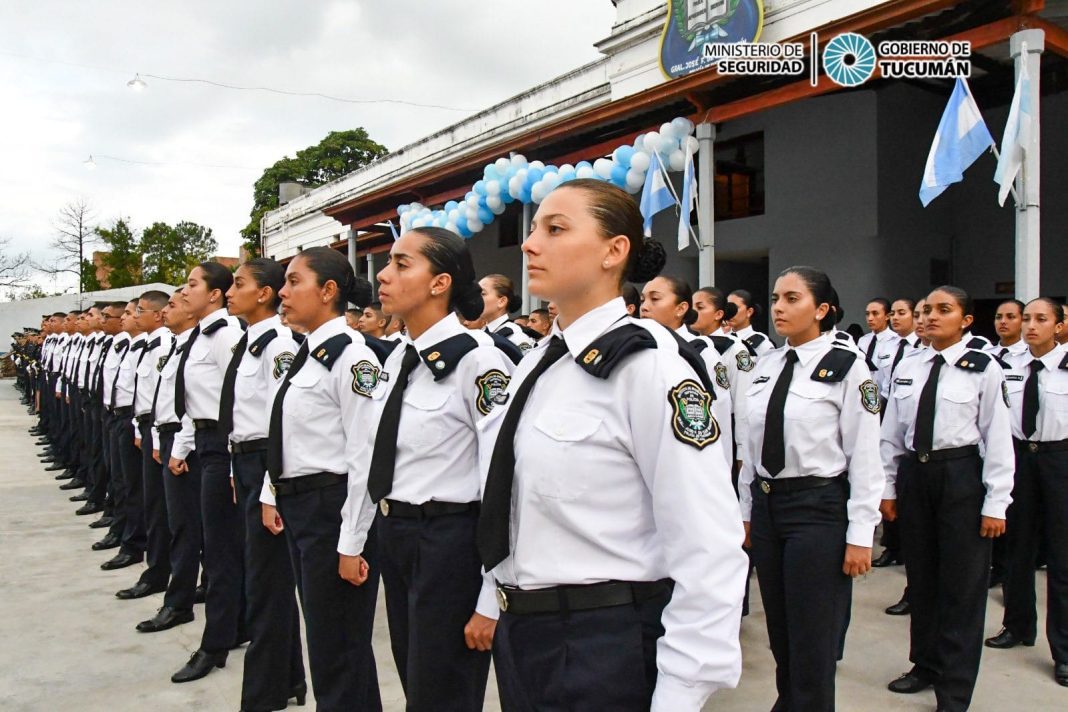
90, 283
14, 267
73, 237
123, 261
170, 252
339, 154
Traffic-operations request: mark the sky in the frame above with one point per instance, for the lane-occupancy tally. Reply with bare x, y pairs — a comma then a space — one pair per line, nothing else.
64, 66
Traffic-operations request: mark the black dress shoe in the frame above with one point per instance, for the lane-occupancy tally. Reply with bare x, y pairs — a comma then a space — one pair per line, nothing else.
911, 682
102, 523
80, 497
901, 608
165, 619
121, 561
75, 483
300, 692
139, 590
89, 508
887, 558
1007, 639
110, 541
1060, 673
56, 467
199, 665
67, 474
201, 594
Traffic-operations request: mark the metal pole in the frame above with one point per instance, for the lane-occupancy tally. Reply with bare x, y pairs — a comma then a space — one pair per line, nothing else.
524, 232
371, 274
1028, 235
706, 171
350, 234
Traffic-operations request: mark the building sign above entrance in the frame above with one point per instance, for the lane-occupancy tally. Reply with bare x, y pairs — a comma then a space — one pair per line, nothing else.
693, 26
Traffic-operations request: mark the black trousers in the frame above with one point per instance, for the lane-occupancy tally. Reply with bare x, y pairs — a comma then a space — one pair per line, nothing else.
158, 542
1039, 513
224, 546
98, 470
274, 660
799, 541
948, 569
433, 575
183, 520
584, 661
129, 505
338, 617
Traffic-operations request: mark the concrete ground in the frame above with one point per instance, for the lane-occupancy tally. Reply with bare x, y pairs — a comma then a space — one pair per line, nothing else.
66, 643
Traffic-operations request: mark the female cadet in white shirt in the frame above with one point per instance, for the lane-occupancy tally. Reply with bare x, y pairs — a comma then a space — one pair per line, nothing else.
742, 323
809, 487
947, 452
604, 482
320, 418
1038, 403
274, 663
198, 383
499, 300
435, 387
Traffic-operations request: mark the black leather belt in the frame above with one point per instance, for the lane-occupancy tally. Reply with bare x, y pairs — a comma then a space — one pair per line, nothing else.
306, 483
794, 484
1045, 446
257, 445
168, 428
205, 424
563, 599
123, 411
146, 418
953, 453
427, 510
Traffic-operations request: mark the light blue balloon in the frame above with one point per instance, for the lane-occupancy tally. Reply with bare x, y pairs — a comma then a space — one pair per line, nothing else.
480, 187
490, 173
552, 169
507, 197
619, 175
534, 175
451, 205
464, 231
485, 215
524, 196
583, 164
623, 154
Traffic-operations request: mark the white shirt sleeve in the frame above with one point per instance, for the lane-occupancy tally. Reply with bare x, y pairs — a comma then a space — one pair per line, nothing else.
859, 430
999, 460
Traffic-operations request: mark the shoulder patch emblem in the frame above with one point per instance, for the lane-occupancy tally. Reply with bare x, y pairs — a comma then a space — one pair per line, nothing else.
492, 386
1005, 393
161, 363
745, 361
365, 378
526, 346
721, 376
282, 362
692, 420
869, 397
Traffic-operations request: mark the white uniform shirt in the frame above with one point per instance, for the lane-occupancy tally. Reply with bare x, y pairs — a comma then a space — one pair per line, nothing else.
606, 489
119, 347
208, 358
1004, 352
723, 405
85, 360
258, 376
886, 343
70, 361
184, 438
970, 410
829, 428
127, 370
1052, 421
747, 335
510, 330
157, 346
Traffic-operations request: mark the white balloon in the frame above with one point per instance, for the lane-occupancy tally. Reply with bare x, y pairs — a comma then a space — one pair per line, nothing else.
603, 168
519, 160
693, 144
537, 193
493, 201
493, 187
635, 180
501, 207
668, 131
652, 142
584, 172
515, 185
640, 161
451, 227
677, 161
475, 225
682, 126
537, 164
472, 214
454, 215
567, 169
472, 202
502, 164
551, 180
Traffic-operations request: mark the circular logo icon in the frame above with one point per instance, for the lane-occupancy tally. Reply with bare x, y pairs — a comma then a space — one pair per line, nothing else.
849, 59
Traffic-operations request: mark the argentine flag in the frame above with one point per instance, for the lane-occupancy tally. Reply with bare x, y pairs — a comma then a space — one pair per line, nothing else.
1017, 138
655, 195
961, 138
689, 197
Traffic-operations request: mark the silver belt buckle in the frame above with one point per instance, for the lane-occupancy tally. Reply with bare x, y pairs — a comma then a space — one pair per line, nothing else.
925, 456
383, 506
1033, 447
765, 487
502, 599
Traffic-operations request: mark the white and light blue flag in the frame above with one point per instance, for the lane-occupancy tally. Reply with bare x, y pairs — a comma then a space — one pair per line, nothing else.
689, 197
1016, 140
962, 137
655, 195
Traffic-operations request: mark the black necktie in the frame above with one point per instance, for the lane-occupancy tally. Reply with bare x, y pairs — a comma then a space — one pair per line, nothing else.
1030, 400
179, 381
145, 348
159, 381
274, 437
384, 459
773, 449
1004, 350
226, 398
118, 367
923, 435
495, 516
870, 355
902, 345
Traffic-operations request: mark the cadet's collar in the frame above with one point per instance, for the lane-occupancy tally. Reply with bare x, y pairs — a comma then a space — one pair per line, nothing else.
213, 317
1018, 348
260, 328
1052, 360
183, 337
885, 334
497, 323
447, 327
685, 333
139, 338
951, 354
159, 333
911, 338
721, 332
590, 325
327, 330
809, 350
745, 332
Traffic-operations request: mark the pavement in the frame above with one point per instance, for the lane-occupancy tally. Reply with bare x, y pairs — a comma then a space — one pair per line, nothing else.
66, 642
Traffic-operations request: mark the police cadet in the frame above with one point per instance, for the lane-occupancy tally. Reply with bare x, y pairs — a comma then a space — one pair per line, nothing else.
946, 407
372, 321
434, 387
181, 479
158, 339
1008, 323
109, 488
713, 311
88, 451
809, 487
666, 300
880, 344
198, 384
274, 662
320, 422
500, 299
1038, 400
96, 491
604, 484
742, 323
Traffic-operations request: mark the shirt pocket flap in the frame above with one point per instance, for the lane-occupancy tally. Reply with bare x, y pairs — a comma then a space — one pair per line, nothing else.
429, 399
957, 395
307, 376
249, 366
567, 426
809, 389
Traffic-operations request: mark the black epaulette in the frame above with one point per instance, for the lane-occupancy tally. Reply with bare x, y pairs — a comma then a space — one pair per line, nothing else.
977, 342
242, 323
754, 341
723, 344
331, 350
153, 344
696, 363
298, 337
443, 357
1005, 365
698, 345
1064, 363
608, 350
834, 366
381, 347
213, 327
513, 352
530, 332
256, 347
504, 331
974, 361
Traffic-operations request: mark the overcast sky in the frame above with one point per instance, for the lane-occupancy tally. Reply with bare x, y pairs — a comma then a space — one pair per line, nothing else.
64, 67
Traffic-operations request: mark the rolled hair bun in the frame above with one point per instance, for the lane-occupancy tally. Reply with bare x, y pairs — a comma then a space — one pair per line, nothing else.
730, 310
359, 292
466, 299
514, 302
690, 317
649, 262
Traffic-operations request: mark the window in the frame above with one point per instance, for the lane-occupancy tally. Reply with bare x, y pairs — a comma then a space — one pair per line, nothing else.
740, 177
508, 225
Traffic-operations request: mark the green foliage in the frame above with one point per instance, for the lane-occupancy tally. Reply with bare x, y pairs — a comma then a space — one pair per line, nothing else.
124, 256
170, 252
339, 154
88, 275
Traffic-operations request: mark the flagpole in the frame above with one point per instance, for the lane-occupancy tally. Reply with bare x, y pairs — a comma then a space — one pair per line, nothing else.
706, 214
1027, 46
